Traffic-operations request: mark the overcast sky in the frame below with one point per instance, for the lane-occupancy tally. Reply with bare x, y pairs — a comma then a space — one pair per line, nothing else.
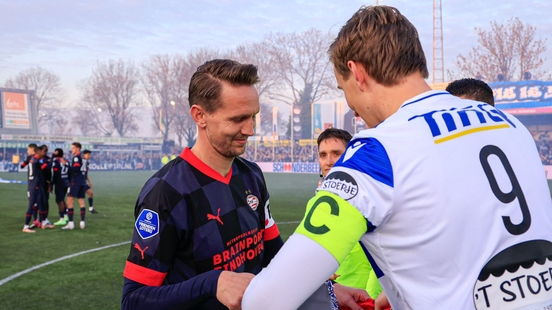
69, 37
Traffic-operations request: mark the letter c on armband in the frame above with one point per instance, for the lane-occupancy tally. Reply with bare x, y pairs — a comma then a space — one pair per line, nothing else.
334, 210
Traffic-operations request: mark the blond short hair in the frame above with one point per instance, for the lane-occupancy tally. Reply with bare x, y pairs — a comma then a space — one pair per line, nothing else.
383, 41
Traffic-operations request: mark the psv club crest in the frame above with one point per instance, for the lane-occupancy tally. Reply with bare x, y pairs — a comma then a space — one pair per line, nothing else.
253, 202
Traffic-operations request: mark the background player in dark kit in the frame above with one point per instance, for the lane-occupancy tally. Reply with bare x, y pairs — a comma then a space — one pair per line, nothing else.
77, 188
47, 181
60, 181
30, 153
86, 154
36, 167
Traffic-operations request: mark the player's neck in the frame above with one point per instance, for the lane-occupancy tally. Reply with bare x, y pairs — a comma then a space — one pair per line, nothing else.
204, 151
392, 98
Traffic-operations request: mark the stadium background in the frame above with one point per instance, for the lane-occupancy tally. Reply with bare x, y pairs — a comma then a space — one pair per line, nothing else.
529, 100
49, 269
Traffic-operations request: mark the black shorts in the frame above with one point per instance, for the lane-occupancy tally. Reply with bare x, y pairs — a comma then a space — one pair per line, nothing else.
77, 191
60, 192
36, 196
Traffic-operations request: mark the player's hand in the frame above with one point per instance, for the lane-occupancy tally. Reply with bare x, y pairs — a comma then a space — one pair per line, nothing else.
349, 296
231, 286
381, 302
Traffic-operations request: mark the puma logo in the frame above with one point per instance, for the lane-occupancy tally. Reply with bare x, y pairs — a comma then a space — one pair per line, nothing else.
215, 217
137, 246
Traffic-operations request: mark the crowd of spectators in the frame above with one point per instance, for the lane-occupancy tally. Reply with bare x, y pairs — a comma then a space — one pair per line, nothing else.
151, 160
126, 161
263, 153
543, 141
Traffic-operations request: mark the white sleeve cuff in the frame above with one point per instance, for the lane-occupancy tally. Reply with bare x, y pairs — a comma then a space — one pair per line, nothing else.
299, 268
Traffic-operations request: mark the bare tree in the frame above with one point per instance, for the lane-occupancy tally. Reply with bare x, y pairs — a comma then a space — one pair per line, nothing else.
260, 55
507, 49
185, 127
56, 120
158, 80
49, 94
527, 48
110, 95
92, 121
305, 72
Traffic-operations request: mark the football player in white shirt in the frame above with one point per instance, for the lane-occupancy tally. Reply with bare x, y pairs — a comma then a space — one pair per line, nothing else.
448, 196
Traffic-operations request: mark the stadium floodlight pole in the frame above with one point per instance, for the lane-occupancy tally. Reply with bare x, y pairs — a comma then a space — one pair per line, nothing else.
312, 129
291, 129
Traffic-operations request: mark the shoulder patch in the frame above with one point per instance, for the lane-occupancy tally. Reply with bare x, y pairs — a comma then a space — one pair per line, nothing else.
341, 184
147, 224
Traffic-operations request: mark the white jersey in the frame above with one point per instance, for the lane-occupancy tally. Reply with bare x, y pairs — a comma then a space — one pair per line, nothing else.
451, 201
459, 210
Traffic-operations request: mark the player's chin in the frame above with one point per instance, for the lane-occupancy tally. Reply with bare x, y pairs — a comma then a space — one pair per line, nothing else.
236, 151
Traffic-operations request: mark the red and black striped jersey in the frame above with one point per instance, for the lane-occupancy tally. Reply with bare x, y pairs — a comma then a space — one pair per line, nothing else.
191, 221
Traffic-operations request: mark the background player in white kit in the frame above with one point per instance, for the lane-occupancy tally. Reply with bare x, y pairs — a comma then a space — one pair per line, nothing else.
448, 196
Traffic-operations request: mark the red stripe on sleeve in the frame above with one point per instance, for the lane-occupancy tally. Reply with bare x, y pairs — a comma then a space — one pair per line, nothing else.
272, 232
43, 166
76, 165
143, 275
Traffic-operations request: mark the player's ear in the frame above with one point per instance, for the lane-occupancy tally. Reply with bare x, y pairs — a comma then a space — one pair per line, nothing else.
198, 115
358, 73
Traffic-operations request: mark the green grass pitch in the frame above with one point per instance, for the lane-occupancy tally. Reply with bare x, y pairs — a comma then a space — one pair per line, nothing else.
94, 280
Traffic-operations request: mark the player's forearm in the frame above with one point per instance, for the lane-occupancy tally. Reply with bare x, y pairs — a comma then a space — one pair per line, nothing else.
300, 267
271, 248
185, 295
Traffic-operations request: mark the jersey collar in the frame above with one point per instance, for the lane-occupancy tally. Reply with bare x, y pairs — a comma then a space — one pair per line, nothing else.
423, 96
190, 157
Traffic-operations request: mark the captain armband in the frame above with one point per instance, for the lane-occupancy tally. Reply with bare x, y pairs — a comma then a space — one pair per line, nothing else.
333, 223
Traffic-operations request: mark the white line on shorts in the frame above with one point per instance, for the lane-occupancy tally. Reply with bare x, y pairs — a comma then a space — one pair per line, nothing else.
6, 280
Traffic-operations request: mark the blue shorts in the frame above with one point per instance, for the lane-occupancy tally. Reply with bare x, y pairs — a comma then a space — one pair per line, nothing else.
77, 191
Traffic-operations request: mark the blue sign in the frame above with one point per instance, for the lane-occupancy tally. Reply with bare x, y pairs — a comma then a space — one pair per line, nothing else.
522, 94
